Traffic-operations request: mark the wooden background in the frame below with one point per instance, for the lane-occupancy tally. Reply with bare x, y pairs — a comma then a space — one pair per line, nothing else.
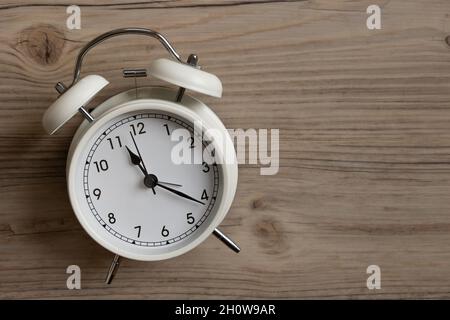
364, 119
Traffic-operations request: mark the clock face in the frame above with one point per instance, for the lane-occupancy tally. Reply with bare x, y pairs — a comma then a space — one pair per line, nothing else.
131, 191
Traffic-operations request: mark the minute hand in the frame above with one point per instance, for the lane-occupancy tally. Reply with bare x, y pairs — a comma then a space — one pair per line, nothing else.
179, 193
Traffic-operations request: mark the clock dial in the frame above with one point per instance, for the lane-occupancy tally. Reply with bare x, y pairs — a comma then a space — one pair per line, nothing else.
134, 189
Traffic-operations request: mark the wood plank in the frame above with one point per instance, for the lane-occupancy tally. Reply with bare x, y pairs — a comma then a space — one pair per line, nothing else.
364, 147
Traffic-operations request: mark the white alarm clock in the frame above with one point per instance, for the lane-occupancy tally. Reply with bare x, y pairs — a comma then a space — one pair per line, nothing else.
124, 186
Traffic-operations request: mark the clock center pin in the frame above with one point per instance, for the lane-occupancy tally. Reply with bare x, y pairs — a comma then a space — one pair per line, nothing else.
150, 181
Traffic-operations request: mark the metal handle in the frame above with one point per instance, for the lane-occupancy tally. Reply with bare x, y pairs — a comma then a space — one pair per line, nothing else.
117, 32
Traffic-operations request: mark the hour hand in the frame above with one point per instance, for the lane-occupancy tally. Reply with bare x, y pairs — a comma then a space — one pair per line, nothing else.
136, 160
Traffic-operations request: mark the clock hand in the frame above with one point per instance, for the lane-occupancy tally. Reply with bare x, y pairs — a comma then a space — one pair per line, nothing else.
136, 160
171, 184
139, 153
179, 193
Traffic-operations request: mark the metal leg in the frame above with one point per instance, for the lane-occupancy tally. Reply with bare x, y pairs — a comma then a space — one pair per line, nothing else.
192, 60
61, 88
86, 114
112, 269
227, 241
180, 94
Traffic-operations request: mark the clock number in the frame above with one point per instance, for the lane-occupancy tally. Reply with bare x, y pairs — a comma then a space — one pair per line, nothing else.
190, 218
204, 195
97, 192
205, 167
191, 139
164, 232
112, 144
111, 218
139, 230
138, 128
167, 129
102, 165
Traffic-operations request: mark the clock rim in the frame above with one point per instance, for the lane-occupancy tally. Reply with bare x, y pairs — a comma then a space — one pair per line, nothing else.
228, 181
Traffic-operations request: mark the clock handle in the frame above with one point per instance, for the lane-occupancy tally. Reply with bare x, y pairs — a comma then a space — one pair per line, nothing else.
117, 32
226, 240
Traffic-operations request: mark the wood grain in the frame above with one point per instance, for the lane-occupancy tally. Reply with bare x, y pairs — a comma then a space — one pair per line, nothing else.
364, 119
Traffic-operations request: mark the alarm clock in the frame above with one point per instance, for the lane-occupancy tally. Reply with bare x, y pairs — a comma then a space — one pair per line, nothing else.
124, 186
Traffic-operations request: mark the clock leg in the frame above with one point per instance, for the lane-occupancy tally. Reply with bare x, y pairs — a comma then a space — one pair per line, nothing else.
86, 114
112, 269
227, 241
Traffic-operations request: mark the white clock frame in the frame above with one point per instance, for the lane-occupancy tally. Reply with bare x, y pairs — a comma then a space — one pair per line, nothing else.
154, 100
